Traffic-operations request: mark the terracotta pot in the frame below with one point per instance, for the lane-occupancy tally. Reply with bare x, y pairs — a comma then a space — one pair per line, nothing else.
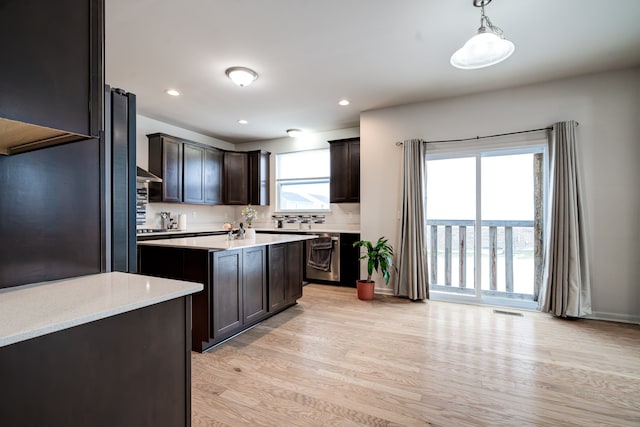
365, 289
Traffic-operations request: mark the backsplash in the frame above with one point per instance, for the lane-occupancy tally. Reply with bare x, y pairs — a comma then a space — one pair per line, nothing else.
197, 215
341, 215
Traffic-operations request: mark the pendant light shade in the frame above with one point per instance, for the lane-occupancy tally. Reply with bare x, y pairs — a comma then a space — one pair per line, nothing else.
482, 50
488, 47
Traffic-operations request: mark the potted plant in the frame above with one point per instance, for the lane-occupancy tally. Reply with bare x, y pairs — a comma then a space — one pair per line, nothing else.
379, 258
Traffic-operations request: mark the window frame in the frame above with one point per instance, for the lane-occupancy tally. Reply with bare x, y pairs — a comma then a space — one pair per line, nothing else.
527, 144
281, 182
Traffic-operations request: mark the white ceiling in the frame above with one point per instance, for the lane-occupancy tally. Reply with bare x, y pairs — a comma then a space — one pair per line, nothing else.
311, 53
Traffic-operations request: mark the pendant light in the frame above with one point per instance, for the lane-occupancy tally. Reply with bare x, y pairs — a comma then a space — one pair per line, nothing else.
486, 48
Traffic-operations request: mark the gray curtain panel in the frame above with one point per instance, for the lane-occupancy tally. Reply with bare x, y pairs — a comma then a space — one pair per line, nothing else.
412, 266
566, 289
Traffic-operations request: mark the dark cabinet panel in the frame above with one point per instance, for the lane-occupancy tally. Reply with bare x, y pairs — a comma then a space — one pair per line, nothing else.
349, 259
165, 161
50, 211
239, 290
213, 176
193, 173
338, 188
285, 275
254, 286
259, 177
51, 74
354, 171
345, 170
236, 178
131, 369
295, 266
277, 277
226, 304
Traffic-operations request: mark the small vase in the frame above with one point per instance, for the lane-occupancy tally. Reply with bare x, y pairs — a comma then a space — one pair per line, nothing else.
250, 233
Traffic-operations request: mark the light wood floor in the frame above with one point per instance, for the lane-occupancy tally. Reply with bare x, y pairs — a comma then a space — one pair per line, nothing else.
336, 361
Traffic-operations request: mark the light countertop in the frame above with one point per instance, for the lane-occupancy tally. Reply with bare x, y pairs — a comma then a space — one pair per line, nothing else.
315, 228
222, 242
30, 311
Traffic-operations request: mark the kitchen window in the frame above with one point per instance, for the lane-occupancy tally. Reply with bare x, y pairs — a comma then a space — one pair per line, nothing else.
302, 181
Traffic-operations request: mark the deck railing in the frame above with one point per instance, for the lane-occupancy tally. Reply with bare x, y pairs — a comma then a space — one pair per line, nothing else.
490, 242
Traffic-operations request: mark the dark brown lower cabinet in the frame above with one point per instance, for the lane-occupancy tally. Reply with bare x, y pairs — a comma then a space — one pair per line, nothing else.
285, 280
132, 369
239, 290
241, 286
254, 284
226, 293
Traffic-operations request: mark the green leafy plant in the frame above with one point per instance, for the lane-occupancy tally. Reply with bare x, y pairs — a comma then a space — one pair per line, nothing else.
379, 257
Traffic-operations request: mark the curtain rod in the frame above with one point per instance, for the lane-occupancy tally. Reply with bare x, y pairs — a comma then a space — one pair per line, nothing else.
399, 143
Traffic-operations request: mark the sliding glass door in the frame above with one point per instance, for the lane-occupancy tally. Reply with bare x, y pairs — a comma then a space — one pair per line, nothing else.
485, 225
451, 223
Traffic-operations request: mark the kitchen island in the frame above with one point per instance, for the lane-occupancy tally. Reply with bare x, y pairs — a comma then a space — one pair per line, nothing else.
100, 350
245, 281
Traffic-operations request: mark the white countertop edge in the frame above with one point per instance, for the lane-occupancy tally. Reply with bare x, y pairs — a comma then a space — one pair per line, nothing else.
221, 243
286, 230
59, 321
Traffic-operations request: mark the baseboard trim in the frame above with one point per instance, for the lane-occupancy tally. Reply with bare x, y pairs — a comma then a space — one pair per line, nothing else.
614, 317
596, 315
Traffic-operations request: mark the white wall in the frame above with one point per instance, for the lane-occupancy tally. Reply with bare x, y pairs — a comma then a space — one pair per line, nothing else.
606, 105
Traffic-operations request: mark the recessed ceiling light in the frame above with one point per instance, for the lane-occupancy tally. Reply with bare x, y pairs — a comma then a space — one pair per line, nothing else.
172, 92
243, 121
242, 76
294, 133
344, 102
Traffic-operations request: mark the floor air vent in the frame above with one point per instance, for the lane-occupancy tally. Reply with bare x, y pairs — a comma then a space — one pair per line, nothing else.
510, 313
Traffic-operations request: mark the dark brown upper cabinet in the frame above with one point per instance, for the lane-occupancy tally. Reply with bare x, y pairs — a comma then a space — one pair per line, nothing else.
165, 161
213, 177
51, 79
199, 174
193, 174
236, 178
246, 177
190, 172
259, 177
345, 170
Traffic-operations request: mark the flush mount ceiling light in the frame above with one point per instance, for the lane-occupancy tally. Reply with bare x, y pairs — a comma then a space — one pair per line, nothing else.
243, 121
172, 92
241, 76
486, 48
344, 102
294, 133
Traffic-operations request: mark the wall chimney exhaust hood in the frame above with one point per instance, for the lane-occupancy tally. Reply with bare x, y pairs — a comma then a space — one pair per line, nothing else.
146, 176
